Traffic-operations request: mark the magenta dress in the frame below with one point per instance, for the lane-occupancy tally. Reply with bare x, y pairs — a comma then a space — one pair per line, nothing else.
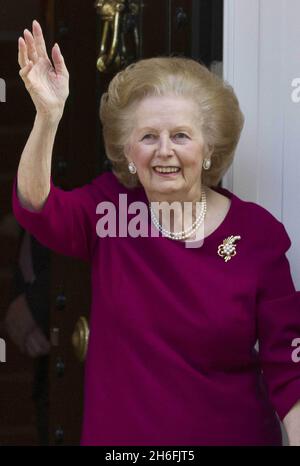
171, 357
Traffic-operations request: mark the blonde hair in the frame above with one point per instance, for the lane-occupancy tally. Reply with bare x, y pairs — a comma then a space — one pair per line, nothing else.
220, 118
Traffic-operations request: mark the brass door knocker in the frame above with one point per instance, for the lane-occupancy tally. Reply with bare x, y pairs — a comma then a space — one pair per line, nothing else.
118, 19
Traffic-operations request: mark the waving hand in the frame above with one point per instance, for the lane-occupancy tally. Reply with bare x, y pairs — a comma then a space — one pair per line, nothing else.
47, 83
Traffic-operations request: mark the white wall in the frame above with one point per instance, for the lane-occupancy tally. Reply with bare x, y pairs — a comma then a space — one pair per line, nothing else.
261, 60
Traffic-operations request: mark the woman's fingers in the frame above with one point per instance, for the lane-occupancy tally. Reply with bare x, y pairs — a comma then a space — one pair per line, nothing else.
58, 61
31, 48
39, 39
25, 70
24, 62
22, 53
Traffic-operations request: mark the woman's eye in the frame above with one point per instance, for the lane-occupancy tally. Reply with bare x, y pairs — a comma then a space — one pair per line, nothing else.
181, 135
176, 136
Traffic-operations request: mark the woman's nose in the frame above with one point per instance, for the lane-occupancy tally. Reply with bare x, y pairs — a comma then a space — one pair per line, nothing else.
164, 145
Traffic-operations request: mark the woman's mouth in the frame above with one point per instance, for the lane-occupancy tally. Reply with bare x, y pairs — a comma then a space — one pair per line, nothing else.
168, 171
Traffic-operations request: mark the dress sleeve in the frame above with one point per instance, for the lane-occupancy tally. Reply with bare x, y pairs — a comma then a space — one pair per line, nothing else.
66, 223
278, 324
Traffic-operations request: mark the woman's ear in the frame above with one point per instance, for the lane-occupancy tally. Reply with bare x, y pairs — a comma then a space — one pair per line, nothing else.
209, 149
127, 151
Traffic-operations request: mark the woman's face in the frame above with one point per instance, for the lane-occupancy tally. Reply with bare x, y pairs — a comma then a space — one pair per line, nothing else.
166, 135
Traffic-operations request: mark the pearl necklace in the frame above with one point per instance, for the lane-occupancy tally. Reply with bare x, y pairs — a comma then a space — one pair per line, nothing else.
184, 233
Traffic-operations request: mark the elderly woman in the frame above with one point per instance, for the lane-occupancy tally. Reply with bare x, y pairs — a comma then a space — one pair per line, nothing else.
171, 357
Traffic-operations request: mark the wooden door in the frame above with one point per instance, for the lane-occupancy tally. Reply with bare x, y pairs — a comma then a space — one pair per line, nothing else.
17, 410
165, 27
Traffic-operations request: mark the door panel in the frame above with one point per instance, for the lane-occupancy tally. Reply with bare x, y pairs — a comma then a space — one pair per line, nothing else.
17, 409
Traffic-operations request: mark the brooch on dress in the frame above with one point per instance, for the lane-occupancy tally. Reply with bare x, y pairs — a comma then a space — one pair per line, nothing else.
227, 248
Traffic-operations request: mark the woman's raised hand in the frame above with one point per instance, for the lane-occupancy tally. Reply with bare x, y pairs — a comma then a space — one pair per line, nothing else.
47, 85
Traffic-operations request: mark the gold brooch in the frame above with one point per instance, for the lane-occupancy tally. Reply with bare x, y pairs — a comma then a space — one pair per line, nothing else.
227, 248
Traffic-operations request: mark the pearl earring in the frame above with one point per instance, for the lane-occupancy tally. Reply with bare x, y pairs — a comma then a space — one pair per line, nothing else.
207, 164
132, 168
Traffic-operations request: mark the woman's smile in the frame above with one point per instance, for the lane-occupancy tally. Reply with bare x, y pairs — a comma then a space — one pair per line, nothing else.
167, 172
